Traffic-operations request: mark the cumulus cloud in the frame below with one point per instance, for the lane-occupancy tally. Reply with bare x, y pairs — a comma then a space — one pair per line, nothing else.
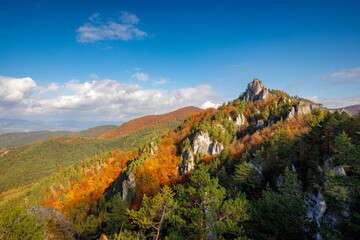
15, 90
122, 28
335, 102
209, 104
141, 76
104, 99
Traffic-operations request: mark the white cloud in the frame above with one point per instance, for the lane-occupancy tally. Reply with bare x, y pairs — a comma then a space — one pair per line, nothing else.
138, 69
160, 82
209, 104
141, 76
345, 73
94, 100
122, 29
335, 102
15, 90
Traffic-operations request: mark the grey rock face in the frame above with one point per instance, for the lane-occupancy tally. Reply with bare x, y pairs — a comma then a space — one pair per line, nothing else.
215, 148
240, 120
57, 226
256, 91
260, 124
279, 181
203, 144
339, 170
303, 108
127, 184
187, 163
316, 206
291, 114
257, 168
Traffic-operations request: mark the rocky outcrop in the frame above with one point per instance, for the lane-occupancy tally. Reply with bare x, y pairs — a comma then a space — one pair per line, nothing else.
187, 162
56, 224
291, 114
258, 169
279, 181
153, 148
240, 120
260, 124
203, 144
339, 170
127, 184
215, 148
256, 91
303, 108
316, 206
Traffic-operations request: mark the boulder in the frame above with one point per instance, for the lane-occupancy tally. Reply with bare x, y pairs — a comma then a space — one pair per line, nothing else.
187, 162
127, 184
339, 170
56, 224
256, 91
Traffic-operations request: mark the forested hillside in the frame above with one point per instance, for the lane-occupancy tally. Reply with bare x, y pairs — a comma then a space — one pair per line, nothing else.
263, 166
174, 118
21, 138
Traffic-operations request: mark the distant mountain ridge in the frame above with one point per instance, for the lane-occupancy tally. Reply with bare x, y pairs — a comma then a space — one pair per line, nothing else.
351, 110
151, 120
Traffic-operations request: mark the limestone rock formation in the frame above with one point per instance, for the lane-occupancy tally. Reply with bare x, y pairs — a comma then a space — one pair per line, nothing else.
187, 162
339, 170
291, 114
303, 108
56, 224
127, 184
256, 91
260, 124
316, 206
215, 148
240, 120
203, 144
258, 169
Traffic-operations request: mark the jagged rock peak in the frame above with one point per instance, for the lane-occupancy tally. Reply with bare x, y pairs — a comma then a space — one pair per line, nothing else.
256, 91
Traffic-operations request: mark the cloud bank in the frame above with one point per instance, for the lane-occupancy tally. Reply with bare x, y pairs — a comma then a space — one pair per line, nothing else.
104, 99
123, 27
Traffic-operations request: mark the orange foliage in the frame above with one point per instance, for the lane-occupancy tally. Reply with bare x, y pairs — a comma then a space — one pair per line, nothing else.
151, 120
92, 185
297, 126
159, 170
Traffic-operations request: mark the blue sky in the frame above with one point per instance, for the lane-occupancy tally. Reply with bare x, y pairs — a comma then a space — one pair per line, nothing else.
116, 60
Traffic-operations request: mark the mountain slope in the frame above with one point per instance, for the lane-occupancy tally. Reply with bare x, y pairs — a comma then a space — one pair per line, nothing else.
20, 138
151, 120
351, 110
